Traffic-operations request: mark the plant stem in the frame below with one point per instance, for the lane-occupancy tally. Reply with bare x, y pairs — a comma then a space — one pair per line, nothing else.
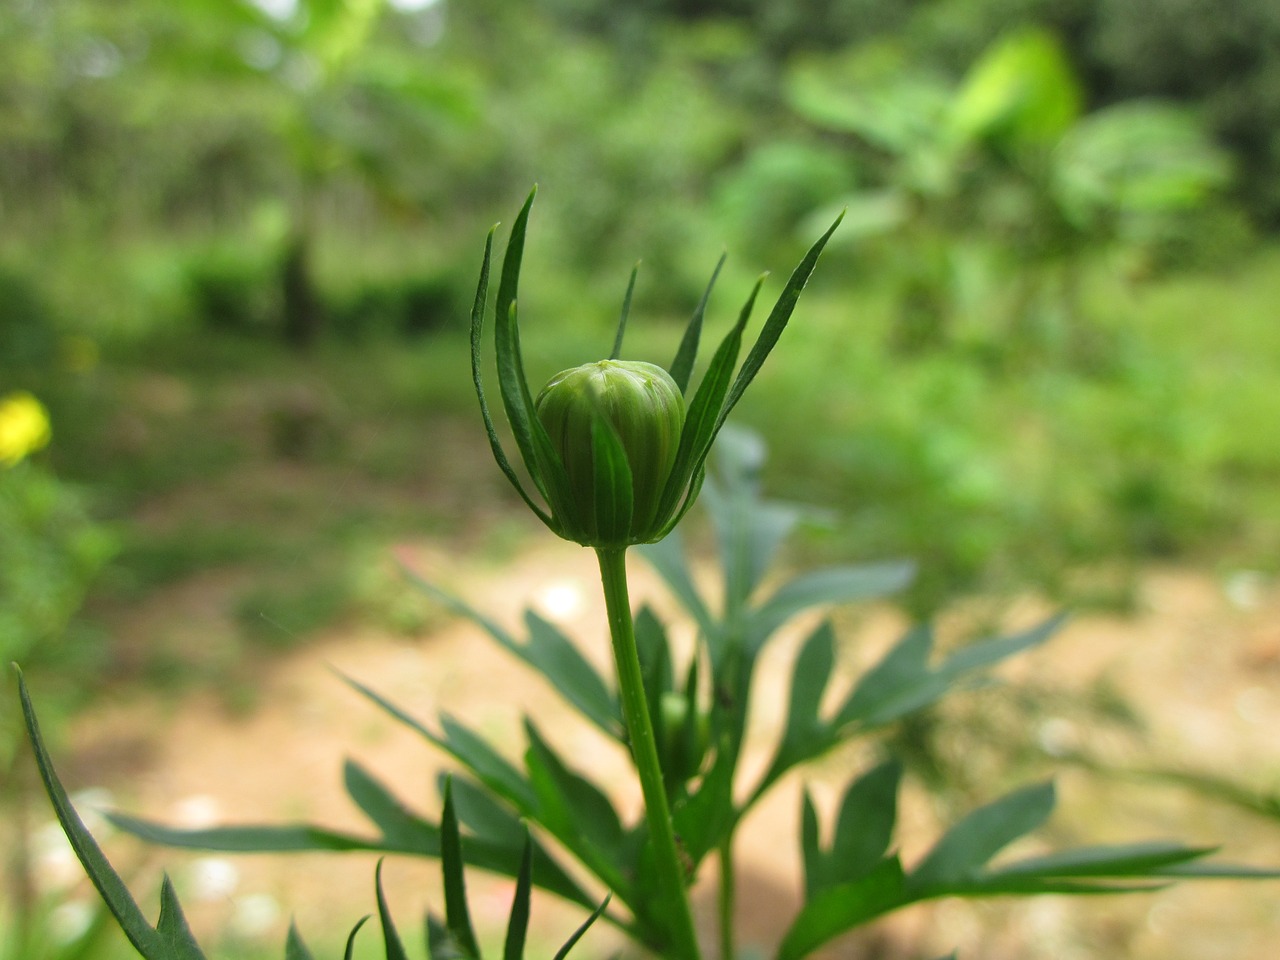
644, 752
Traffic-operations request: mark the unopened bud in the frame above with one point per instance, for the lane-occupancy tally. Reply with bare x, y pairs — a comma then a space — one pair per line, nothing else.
646, 411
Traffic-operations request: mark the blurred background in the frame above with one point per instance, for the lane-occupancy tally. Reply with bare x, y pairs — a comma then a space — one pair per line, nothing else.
240, 240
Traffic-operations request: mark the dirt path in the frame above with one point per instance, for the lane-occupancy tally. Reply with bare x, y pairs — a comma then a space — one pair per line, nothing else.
1200, 663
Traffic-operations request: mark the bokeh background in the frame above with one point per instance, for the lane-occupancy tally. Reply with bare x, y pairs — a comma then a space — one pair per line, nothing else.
240, 240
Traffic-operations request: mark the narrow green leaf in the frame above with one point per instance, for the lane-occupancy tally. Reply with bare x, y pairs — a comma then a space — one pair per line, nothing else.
809, 681
703, 418
294, 946
903, 669
558, 659
400, 827
518, 924
457, 916
815, 873
982, 885
390, 938
1138, 859
616, 352
827, 586
989, 652
904, 682
497, 839
477, 339
511, 379
574, 809
108, 883
173, 929
487, 764
465, 746
1218, 871
549, 652
577, 934
844, 907
776, 323
351, 938
967, 846
690, 497
244, 839
682, 366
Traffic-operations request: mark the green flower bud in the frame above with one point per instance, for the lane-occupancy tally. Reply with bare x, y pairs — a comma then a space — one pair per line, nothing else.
645, 409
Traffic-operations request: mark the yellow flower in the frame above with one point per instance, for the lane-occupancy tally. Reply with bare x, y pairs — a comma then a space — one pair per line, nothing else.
24, 427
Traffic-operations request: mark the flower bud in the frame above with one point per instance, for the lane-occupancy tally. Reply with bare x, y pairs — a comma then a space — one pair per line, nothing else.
646, 411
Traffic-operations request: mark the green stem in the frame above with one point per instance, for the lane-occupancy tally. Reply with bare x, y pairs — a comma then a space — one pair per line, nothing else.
644, 752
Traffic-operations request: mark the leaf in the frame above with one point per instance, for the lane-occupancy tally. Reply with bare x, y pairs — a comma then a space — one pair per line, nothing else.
577, 934
1021, 91
776, 322
390, 938
703, 416
466, 747
549, 652
557, 659
244, 839
294, 947
1138, 859
863, 831
830, 585
457, 916
864, 827
116, 895
512, 383
989, 652
844, 907
497, 829
477, 336
518, 924
575, 810
815, 863
174, 932
682, 365
400, 827
351, 938
904, 682
805, 735
622, 320
979, 836
904, 668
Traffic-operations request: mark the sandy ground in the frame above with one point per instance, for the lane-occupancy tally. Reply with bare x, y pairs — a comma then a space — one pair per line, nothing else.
1201, 660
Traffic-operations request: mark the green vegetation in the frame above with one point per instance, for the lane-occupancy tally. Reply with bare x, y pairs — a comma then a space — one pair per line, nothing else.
240, 241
